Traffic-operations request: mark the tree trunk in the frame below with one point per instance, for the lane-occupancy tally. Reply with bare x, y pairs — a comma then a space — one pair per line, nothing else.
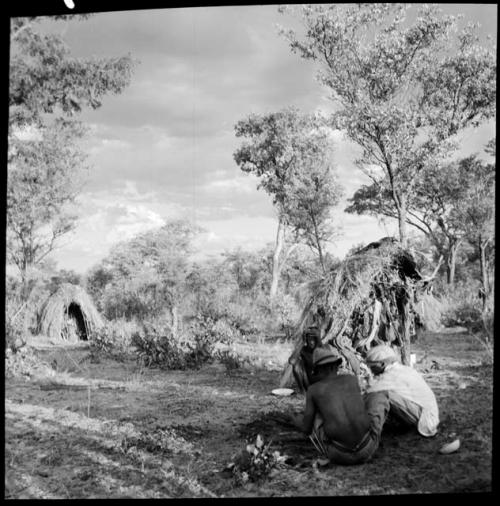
451, 260
276, 259
318, 243
401, 208
175, 320
485, 285
405, 333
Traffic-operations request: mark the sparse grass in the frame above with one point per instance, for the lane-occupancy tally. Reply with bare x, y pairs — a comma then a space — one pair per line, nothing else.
155, 434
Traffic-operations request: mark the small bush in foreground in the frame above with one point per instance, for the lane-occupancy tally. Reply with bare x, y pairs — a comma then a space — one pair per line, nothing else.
462, 307
255, 462
158, 346
230, 359
24, 363
113, 339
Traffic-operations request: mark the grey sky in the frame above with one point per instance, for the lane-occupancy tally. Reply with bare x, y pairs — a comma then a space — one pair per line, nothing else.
163, 148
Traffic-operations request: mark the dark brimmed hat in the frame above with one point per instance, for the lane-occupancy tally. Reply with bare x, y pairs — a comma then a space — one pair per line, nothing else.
326, 355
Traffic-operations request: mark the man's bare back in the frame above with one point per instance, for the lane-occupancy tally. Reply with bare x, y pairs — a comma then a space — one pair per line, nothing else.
339, 401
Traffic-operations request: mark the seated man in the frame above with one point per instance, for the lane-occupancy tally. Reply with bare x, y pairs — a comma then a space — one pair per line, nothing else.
303, 367
340, 425
411, 400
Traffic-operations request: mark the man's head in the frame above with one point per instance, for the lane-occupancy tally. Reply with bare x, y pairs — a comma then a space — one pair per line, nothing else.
379, 357
326, 359
311, 337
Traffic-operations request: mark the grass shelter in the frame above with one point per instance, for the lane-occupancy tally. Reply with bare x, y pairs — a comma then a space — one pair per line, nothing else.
375, 295
69, 315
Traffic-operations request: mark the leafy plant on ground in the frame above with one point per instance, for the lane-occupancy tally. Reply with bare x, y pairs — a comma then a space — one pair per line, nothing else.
255, 462
164, 441
113, 339
462, 307
23, 363
157, 345
230, 359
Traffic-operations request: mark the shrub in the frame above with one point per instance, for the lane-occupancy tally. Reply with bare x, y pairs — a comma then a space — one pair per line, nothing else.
462, 306
255, 462
14, 334
156, 345
230, 359
23, 363
113, 339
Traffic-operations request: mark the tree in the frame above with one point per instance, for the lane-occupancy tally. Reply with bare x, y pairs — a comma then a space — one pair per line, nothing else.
146, 276
430, 209
47, 87
444, 205
311, 194
403, 89
45, 79
289, 153
477, 215
44, 177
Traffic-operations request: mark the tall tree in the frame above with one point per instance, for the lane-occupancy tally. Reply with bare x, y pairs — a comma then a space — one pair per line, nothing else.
44, 176
431, 208
403, 88
146, 275
289, 153
477, 215
312, 192
47, 88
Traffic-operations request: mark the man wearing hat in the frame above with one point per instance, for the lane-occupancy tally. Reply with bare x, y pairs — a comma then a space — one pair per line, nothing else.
411, 400
336, 419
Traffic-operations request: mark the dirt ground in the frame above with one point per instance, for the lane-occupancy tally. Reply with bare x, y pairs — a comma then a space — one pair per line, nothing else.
111, 429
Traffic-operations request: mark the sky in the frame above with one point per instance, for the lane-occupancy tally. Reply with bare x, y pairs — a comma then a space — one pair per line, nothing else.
163, 149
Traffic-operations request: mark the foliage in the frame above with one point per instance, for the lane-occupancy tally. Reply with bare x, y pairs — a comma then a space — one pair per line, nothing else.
402, 88
69, 84
47, 87
112, 339
23, 362
255, 463
158, 345
291, 155
230, 359
142, 277
449, 203
44, 178
462, 306
159, 440
286, 312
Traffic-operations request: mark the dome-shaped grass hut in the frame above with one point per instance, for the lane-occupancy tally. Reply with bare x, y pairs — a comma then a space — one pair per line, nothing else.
375, 295
69, 315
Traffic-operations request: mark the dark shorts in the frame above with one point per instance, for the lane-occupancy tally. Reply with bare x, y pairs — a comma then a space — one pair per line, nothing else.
348, 456
340, 454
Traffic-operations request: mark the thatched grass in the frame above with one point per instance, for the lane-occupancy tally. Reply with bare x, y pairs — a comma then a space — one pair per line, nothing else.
69, 302
335, 303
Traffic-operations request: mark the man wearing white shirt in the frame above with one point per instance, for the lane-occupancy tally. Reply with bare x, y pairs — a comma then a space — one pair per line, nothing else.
410, 398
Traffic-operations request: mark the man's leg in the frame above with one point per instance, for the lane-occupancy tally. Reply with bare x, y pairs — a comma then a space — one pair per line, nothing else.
377, 406
405, 411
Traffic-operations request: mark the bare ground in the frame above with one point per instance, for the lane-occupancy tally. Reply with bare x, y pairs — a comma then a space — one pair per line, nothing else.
115, 430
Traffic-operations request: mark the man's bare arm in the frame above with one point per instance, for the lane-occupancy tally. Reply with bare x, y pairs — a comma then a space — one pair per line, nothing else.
305, 423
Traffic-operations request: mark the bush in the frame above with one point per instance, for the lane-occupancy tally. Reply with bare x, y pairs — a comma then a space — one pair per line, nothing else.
230, 359
156, 345
462, 306
23, 363
113, 339
255, 462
